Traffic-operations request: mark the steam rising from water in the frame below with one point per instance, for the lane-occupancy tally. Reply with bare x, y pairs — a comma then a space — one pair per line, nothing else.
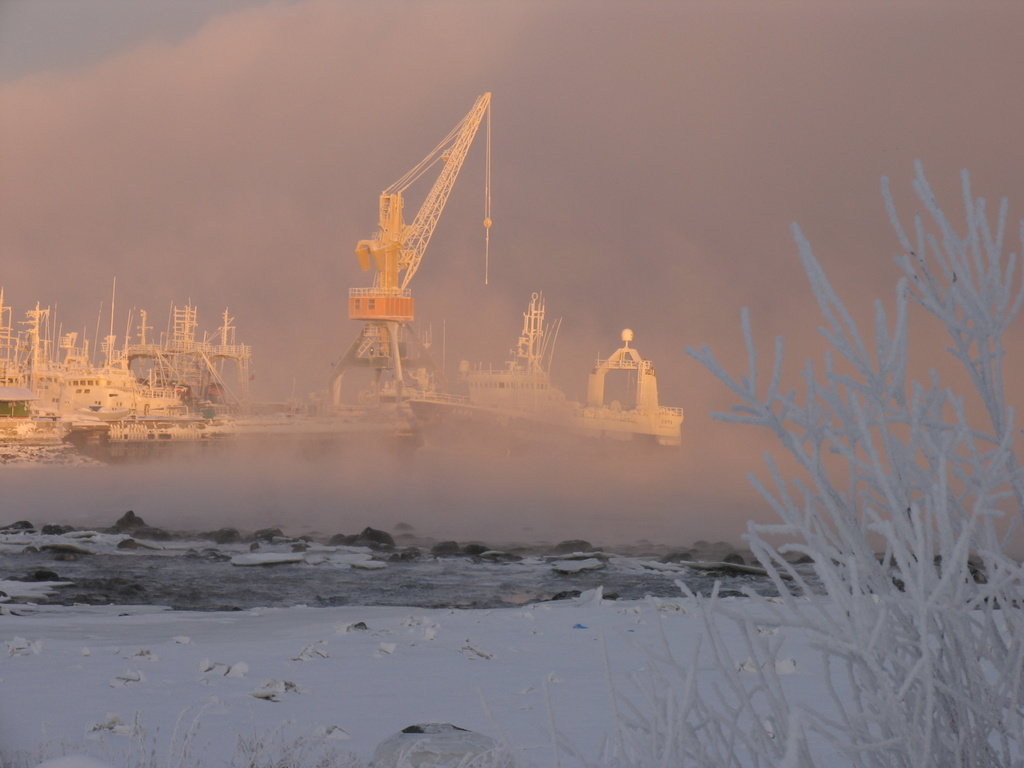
610, 497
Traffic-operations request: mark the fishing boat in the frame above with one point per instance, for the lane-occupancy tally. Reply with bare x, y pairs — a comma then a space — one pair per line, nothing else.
518, 400
174, 389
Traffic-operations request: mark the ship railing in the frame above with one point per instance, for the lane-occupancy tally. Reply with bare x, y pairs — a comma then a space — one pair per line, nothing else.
355, 293
671, 409
622, 364
143, 350
443, 397
229, 350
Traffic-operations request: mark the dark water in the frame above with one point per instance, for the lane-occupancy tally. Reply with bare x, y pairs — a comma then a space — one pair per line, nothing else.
206, 580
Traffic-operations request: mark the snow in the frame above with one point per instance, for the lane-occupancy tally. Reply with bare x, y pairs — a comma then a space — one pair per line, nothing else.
267, 558
28, 590
506, 673
575, 566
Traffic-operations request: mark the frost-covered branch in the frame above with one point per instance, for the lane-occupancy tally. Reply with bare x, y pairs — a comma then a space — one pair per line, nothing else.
903, 505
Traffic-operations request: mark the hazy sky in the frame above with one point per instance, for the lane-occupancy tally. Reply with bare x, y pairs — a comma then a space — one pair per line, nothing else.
649, 158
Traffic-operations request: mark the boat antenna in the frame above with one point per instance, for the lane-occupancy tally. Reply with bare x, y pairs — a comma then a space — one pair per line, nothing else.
96, 333
128, 329
554, 329
110, 337
51, 328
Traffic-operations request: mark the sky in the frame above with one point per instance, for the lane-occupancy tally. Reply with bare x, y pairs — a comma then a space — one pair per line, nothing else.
649, 159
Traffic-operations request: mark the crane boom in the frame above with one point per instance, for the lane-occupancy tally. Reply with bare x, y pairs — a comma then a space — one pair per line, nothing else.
397, 249
423, 225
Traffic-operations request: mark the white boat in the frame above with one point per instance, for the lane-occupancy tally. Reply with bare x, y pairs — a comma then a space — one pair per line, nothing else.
172, 390
519, 400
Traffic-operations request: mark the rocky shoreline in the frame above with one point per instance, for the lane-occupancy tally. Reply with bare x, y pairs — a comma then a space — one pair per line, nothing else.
132, 562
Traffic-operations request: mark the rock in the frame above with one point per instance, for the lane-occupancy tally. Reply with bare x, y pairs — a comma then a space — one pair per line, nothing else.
19, 525
223, 536
208, 553
409, 553
734, 558
68, 549
375, 539
474, 549
572, 545
568, 594
342, 540
269, 558
368, 565
732, 568
730, 593
712, 551
42, 574
677, 557
445, 549
404, 528
151, 532
133, 544
437, 745
300, 546
127, 523
267, 534
496, 556
56, 530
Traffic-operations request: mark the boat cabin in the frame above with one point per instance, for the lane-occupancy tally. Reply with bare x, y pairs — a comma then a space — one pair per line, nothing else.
15, 402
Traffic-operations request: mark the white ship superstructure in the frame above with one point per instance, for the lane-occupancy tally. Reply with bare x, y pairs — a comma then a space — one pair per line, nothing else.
178, 387
521, 399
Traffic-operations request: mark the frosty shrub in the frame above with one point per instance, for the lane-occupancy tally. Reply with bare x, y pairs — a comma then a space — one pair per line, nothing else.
905, 505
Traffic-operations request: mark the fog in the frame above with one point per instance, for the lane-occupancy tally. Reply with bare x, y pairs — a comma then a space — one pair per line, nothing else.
614, 497
649, 158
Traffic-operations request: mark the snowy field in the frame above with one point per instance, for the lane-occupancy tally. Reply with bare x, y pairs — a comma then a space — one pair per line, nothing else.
354, 651
204, 689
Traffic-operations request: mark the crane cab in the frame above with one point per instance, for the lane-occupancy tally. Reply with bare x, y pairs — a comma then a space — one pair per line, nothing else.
377, 304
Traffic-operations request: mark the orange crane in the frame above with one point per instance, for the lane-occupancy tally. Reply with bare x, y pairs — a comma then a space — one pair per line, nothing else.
387, 345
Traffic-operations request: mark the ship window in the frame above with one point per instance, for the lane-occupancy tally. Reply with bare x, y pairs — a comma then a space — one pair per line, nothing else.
371, 303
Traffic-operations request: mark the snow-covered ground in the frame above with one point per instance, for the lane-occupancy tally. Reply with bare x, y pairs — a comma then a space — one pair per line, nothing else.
326, 647
123, 683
